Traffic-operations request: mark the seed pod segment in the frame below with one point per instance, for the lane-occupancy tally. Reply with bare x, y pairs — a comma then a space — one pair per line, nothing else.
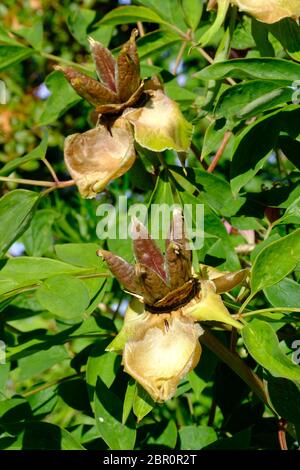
122, 270
128, 70
88, 88
178, 256
105, 64
145, 249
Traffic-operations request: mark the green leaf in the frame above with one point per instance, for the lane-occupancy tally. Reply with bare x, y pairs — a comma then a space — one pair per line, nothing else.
36, 154
221, 246
192, 11
263, 345
47, 436
64, 296
155, 42
213, 137
102, 34
23, 271
285, 397
131, 14
108, 413
78, 22
178, 93
292, 214
291, 149
287, 31
275, 261
4, 372
251, 150
10, 55
261, 68
40, 342
248, 99
97, 289
215, 27
148, 70
34, 364
239, 441
128, 400
16, 211
44, 401
80, 254
38, 238
203, 372
171, 11
142, 404
257, 140
33, 34
196, 437
212, 187
101, 364
92, 326
167, 438
62, 98
11, 443
285, 293
13, 412
242, 36
6, 38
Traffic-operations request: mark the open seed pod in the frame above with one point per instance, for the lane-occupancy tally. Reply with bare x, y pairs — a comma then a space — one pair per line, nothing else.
159, 338
270, 11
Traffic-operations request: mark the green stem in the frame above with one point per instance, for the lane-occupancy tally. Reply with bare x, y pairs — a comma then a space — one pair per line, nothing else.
50, 384
161, 159
266, 310
70, 63
268, 231
20, 290
48, 184
244, 305
60, 185
179, 57
8, 179
94, 276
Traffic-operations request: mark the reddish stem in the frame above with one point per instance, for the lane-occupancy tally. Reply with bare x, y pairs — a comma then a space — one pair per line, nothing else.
220, 151
281, 434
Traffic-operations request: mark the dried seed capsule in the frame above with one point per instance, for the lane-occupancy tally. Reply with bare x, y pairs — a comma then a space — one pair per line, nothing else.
229, 280
122, 270
178, 256
105, 64
151, 284
270, 11
128, 71
146, 251
99, 155
163, 355
88, 88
